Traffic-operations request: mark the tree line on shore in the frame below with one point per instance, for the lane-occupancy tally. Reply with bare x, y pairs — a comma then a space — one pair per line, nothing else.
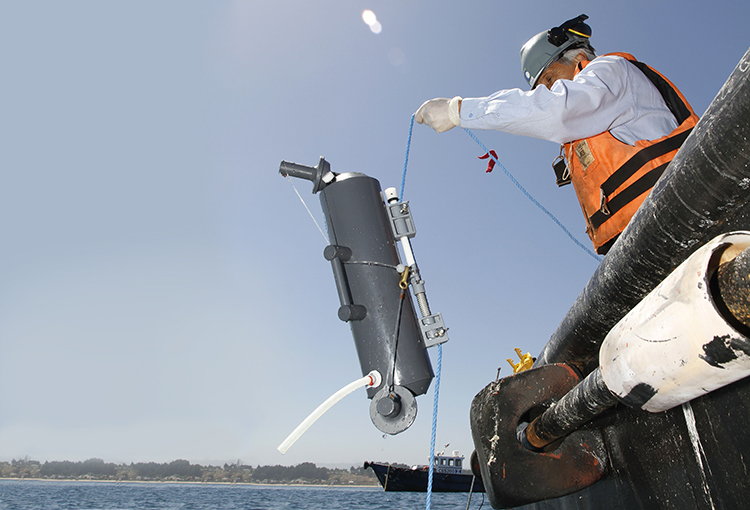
183, 470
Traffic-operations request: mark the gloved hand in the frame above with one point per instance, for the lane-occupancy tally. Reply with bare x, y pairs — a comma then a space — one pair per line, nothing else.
441, 114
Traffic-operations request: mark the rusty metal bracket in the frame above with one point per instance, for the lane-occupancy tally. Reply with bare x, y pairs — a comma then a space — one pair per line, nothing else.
513, 475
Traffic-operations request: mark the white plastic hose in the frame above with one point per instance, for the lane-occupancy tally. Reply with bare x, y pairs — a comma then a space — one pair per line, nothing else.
372, 379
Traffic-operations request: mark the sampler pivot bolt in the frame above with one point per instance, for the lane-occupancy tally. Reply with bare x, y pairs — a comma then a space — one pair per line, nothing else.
389, 406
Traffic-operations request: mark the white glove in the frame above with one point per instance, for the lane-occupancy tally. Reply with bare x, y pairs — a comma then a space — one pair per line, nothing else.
441, 114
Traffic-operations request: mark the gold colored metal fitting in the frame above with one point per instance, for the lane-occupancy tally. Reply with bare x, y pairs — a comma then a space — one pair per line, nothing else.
403, 283
526, 361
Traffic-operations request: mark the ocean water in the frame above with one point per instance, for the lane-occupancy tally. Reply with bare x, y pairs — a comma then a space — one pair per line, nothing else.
43, 495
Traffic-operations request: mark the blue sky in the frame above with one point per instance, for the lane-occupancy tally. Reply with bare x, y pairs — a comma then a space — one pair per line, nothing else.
163, 292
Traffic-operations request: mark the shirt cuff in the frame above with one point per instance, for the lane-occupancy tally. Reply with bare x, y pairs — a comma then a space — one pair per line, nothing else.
453, 110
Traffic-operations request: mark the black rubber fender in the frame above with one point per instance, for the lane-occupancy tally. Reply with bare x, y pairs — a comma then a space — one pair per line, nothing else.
513, 475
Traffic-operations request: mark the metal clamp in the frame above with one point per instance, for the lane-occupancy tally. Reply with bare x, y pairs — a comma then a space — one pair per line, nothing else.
402, 223
433, 330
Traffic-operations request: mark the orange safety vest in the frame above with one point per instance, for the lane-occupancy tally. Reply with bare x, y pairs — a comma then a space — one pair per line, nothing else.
612, 178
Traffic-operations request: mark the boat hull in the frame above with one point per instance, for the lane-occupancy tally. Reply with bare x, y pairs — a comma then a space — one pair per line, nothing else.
396, 479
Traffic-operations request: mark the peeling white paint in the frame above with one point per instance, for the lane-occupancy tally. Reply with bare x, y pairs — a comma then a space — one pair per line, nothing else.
493, 445
675, 346
695, 440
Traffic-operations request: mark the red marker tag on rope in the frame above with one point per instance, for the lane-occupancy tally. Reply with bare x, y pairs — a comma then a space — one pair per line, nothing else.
491, 162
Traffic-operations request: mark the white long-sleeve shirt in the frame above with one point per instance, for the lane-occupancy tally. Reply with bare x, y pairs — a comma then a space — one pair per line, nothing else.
609, 94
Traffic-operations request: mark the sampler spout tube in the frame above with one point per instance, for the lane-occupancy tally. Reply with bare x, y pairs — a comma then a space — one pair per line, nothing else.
287, 168
319, 175
373, 379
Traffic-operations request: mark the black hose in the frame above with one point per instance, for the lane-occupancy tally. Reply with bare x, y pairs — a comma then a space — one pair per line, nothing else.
587, 400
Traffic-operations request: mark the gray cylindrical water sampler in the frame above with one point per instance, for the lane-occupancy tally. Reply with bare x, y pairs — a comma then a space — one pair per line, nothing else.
364, 259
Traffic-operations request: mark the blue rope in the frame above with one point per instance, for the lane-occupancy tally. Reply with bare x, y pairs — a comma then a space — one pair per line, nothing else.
440, 346
540, 206
406, 159
440, 350
434, 426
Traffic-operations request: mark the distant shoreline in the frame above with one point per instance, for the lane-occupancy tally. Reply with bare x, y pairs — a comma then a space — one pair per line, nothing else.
187, 482
181, 471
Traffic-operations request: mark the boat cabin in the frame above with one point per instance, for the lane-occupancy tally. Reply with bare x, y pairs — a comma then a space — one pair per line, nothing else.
449, 464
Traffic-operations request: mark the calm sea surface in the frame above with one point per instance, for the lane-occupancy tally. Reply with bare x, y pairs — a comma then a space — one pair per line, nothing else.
37, 495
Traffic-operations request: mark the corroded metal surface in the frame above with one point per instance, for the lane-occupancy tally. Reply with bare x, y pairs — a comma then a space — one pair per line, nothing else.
512, 474
733, 279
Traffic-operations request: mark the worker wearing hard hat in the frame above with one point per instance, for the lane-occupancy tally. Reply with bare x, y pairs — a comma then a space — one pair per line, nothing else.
619, 121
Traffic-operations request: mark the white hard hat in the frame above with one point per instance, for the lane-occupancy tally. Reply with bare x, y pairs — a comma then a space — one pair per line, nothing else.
546, 47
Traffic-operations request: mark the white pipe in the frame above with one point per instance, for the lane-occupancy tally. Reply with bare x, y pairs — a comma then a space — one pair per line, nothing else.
391, 196
674, 345
372, 379
408, 254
